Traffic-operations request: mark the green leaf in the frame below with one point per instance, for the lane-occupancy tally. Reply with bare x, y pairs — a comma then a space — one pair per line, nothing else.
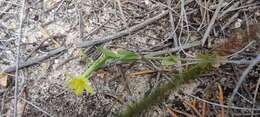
108, 53
127, 56
170, 60
78, 84
94, 66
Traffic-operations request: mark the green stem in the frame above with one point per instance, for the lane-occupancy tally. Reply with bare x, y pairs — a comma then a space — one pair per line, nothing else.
97, 64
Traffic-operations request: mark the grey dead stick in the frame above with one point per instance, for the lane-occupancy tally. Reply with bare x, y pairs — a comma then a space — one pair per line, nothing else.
242, 78
171, 50
122, 33
211, 23
35, 60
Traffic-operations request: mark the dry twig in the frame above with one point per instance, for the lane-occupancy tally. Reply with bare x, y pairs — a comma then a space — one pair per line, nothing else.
242, 78
122, 33
211, 23
35, 60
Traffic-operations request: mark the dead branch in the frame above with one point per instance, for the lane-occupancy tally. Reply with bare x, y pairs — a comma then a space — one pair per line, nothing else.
122, 33
35, 60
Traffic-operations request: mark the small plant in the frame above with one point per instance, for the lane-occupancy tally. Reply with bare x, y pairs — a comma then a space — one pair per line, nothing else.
80, 83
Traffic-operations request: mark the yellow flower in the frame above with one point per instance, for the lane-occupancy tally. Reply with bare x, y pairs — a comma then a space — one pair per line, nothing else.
79, 84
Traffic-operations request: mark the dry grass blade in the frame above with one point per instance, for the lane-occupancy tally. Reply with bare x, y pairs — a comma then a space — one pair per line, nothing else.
171, 50
40, 109
225, 106
193, 108
140, 73
211, 23
242, 78
21, 21
172, 113
204, 109
221, 100
255, 95
146, 72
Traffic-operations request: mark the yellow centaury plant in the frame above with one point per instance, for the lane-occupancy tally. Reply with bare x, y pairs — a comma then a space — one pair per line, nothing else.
80, 83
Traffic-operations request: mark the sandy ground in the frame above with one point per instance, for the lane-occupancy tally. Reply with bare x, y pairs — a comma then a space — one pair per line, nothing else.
51, 24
